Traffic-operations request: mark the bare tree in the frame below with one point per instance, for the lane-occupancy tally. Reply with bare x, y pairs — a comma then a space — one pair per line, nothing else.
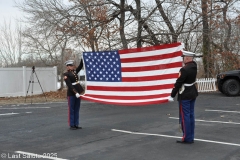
110, 24
10, 44
206, 45
225, 35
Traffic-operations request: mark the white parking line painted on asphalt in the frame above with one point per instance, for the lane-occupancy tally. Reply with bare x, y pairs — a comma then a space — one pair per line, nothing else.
209, 121
46, 103
6, 114
25, 104
209, 110
64, 102
168, 136
26, 108
147, 134
51, 156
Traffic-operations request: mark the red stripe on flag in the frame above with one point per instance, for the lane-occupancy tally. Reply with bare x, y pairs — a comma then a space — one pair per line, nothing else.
127, 103
128, 97
146, 49
122, 89
150, 78
153, 67
151, 58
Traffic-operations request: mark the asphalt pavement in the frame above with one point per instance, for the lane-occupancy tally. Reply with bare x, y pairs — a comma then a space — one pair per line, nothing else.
40, 131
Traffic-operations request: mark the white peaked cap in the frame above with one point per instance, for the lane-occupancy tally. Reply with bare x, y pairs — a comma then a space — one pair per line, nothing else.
188, 54
69, 62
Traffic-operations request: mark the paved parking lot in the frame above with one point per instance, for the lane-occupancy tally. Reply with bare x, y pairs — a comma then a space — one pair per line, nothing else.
116, 132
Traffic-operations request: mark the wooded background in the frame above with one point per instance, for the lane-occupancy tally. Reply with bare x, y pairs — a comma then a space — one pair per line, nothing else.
53, 31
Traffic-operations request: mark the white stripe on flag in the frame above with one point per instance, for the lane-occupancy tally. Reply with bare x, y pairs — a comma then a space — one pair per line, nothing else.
131, 84
150, 73
156, 62
128, 101
151, 53
129, 93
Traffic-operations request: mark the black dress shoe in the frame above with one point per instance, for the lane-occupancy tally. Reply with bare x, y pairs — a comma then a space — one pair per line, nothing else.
78, 127
73, 128
184, 142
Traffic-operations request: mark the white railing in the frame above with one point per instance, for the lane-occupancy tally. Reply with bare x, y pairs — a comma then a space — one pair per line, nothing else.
206, 84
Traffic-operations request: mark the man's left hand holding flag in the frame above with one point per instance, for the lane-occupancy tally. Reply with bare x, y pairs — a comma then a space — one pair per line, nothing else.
170, 99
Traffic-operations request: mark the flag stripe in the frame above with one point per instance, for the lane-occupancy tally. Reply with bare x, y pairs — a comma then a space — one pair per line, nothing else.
149, 78
131, 84
153, 62
129, 93
153, 48
139, 88
151, 58
129, 103
152, 67
131, 97
160, 73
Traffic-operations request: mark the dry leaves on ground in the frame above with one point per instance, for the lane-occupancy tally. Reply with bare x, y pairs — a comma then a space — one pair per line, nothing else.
59, 95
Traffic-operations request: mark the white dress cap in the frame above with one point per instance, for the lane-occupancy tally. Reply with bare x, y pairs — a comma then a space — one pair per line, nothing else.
188, 54
69, 62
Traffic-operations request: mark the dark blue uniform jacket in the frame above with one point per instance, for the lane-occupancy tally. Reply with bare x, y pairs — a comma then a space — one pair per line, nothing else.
188, 75
70, 77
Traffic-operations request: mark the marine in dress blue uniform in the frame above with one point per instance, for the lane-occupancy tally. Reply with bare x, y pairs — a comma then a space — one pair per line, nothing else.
187, 94
73, 93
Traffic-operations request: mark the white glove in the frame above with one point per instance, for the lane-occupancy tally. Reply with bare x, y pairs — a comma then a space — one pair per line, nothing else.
170, 99
77, 95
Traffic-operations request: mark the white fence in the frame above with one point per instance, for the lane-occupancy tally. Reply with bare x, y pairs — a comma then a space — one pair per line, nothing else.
16, 81
206, 84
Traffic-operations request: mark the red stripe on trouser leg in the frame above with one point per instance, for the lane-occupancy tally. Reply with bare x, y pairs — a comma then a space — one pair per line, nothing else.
182, 122
68, 110
187, 107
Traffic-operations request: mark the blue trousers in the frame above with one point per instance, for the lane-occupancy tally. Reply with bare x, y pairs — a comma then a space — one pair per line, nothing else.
187, 119
73, 110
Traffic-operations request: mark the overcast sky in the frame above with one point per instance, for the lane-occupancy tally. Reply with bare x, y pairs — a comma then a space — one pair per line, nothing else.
8, 12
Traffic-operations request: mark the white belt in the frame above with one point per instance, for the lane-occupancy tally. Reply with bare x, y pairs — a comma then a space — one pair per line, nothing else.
183, 87
75, 83
187, 85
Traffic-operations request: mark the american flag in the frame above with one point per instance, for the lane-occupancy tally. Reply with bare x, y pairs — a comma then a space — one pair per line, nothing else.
139, 76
